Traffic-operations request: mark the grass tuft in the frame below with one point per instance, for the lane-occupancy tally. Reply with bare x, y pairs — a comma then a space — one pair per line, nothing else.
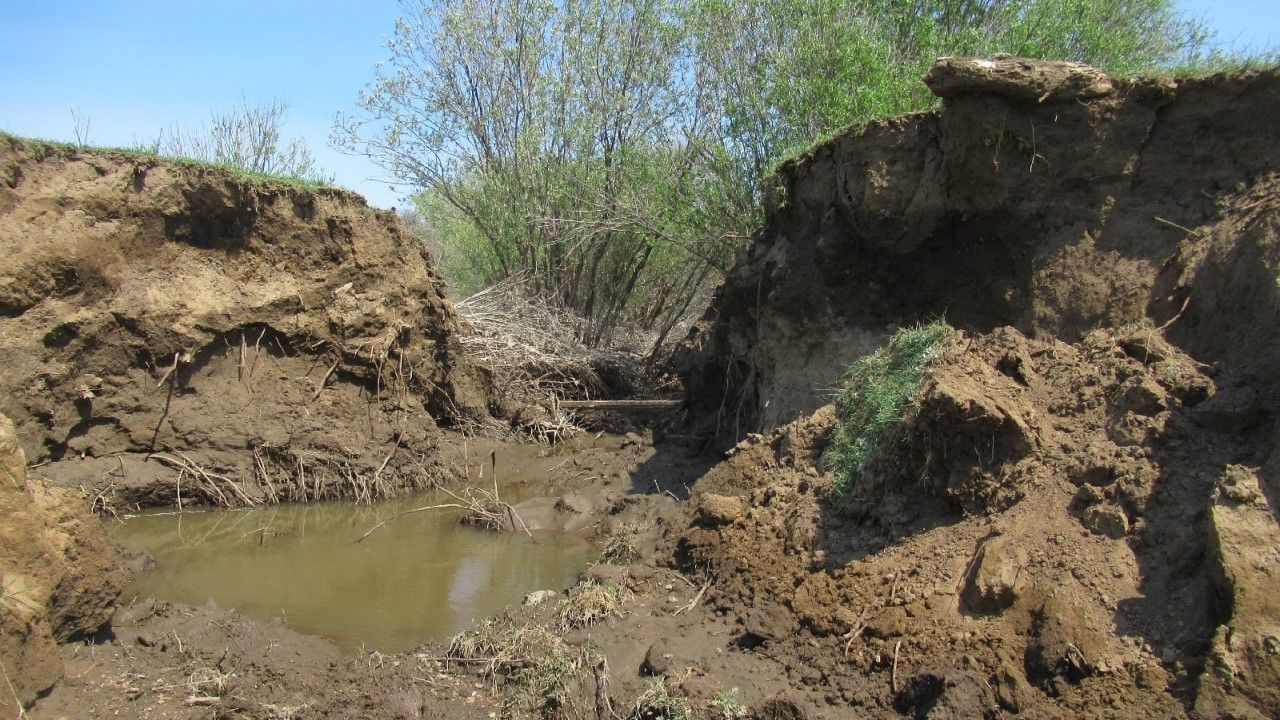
534, 667
622, 547
873, 396
658, 702
588, 603
725, 705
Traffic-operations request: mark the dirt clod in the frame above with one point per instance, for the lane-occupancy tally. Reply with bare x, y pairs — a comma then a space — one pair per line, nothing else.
993, 583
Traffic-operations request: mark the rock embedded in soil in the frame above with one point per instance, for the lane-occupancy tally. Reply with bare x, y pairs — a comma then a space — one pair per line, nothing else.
1243, 675
1106, 519
538, 597
657, 660
714, 510
993, 582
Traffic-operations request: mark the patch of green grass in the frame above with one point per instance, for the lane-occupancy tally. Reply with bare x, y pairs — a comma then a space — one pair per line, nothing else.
42, 149
873, 396
1215, 63
725, 705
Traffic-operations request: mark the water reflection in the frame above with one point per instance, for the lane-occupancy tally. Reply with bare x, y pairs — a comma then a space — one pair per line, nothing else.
418, 578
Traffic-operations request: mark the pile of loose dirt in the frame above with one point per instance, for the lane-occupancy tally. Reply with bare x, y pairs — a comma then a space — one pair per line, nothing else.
59, 576
171, 328
1057, 530
1042, 196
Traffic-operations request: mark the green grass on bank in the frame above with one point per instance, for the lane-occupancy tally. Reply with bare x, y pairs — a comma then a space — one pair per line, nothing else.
1220, 64
42, 149
873, 397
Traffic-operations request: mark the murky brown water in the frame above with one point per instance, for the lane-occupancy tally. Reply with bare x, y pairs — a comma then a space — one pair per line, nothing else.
420, 577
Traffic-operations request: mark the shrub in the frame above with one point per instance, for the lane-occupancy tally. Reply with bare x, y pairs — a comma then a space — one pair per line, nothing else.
873, 396
725, 705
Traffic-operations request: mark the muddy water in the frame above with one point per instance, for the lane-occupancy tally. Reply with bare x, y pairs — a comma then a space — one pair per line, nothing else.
421, 577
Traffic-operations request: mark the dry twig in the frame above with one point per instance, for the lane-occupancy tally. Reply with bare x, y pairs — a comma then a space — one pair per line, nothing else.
696, 599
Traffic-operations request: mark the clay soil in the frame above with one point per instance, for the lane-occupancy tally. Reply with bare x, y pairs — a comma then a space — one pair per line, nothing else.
1076, 517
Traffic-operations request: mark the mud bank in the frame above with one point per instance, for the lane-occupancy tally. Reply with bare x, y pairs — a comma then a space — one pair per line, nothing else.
1049, 198
176, 326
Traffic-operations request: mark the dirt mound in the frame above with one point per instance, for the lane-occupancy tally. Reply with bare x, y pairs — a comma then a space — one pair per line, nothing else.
1042, 196
59, 577
170, 327
1039, 537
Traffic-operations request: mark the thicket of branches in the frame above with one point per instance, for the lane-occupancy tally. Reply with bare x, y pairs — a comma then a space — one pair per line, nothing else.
610, 151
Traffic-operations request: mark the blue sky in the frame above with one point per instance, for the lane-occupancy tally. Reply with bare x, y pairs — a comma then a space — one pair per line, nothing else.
135, 66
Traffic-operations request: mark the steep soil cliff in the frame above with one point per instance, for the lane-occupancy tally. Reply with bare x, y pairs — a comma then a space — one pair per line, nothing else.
1050, 198
168, 326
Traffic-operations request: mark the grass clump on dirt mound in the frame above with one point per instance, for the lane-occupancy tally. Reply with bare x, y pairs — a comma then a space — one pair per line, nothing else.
533, 666
41, 149
873, 396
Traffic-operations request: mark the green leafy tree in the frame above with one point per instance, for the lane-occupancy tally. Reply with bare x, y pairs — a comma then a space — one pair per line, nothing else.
787, 73
560, 141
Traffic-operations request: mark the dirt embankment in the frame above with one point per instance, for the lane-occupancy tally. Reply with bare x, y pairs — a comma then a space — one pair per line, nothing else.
169, 327
1048, 198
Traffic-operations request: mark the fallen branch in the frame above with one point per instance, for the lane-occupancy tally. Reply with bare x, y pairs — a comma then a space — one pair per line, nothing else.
186, 465
856, 632
320, 387
169, 372
1170, 223
696, 599
893, 672
484, 660
399, 515
620, 404
1174, 319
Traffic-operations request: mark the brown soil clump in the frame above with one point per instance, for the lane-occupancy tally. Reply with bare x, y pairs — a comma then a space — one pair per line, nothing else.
59, 577
177, 330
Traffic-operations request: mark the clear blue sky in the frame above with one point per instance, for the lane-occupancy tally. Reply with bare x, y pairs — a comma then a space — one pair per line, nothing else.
135, 66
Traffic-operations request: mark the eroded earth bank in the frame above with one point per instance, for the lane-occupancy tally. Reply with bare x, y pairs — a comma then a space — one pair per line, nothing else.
1075, 518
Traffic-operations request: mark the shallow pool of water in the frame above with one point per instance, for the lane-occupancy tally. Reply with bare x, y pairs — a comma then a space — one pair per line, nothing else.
421, 577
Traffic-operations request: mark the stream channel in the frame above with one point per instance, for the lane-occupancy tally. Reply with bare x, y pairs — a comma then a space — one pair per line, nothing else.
419, 578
